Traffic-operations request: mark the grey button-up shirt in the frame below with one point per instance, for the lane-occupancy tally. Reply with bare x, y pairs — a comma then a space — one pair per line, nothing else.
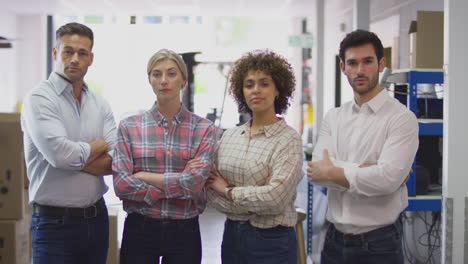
57, 131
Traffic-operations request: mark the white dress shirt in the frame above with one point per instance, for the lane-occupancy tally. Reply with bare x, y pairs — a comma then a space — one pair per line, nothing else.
57, 131
383, 133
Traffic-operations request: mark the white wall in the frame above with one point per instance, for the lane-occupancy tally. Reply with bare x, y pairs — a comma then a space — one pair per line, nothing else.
455, 193
8, 64
23, 65
31, 57
338, 21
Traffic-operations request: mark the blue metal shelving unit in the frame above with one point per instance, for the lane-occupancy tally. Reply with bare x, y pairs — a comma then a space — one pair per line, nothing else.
426, 127
429, 203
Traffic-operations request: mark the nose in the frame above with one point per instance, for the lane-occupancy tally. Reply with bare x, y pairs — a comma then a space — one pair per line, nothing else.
256, 88
361, 67
163, 78
74, 58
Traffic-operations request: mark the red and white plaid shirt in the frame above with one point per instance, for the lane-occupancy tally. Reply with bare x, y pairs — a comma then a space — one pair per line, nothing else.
145, 143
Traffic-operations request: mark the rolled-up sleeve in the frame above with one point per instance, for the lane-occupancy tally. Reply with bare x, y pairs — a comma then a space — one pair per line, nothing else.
224, 205
126, 186
286, 164
189, 183
41, 117
393, 164
110, 129
325, 142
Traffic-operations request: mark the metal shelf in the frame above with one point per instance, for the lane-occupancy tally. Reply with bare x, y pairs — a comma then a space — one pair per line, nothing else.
427, 127
431, 127
425, 203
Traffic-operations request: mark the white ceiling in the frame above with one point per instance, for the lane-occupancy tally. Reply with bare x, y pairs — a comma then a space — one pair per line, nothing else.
162, 7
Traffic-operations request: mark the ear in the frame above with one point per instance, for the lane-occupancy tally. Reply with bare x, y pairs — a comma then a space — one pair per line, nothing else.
342, 66
92, 58
54, 53
382, 64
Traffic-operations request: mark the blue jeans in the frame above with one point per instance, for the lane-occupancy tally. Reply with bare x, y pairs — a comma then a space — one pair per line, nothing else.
246, 244
382, 246
146, 239
70, 239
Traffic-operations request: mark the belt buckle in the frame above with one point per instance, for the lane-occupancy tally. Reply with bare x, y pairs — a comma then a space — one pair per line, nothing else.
91, 215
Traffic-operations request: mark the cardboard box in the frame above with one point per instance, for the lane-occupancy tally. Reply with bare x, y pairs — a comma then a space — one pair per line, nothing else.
12, 168
427, 40
15, 241
113, 253
13, 120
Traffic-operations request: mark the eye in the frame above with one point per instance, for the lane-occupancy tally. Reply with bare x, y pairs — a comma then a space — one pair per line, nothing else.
83, 53
156, 75
67, 52
351, 63
172, 74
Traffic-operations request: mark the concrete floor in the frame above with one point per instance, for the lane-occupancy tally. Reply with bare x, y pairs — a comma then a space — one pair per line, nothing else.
211, 228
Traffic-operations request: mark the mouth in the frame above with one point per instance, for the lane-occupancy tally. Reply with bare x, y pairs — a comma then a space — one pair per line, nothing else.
165, 90
360, 80
256, 100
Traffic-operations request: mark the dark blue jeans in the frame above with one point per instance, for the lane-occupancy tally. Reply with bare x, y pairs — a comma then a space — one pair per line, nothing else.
146, 239
70, 239
246, 244
382, 246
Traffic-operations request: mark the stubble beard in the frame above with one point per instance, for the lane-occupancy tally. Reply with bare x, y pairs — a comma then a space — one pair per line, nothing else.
373, 81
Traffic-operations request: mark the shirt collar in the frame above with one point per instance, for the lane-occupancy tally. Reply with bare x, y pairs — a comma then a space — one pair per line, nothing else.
60, 83
181, 116
269, 130
375, 103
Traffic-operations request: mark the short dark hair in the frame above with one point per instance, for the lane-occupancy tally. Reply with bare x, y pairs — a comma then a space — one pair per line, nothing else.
270, 63
74, 28
358, 38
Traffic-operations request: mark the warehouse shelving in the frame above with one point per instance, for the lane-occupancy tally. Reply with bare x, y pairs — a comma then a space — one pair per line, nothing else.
427, 127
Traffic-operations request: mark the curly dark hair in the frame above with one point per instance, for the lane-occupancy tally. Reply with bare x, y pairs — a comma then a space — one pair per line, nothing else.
358, 38
270, 63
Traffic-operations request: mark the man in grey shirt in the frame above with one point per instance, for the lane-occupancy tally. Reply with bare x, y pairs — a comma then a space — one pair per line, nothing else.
68, 132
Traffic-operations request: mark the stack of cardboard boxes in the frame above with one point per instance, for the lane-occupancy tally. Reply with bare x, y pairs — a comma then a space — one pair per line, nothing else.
427, 40
15, 213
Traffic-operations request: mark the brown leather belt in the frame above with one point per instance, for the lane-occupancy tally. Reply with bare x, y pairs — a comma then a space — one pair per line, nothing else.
87, 212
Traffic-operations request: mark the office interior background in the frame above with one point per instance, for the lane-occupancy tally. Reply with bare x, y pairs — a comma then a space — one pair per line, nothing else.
425, 42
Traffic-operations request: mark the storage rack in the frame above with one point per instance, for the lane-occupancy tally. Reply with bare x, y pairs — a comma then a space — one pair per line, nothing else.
413, 77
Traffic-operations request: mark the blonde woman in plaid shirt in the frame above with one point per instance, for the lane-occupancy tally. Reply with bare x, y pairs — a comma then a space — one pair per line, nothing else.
161, 162
259, 166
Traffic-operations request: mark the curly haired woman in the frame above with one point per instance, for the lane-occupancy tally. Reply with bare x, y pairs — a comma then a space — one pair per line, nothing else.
259, 165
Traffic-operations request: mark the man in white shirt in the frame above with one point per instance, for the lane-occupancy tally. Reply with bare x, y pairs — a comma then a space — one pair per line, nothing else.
363, 155
68, 131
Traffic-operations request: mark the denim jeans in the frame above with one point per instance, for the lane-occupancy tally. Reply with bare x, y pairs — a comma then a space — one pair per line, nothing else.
246, 244
146, 239
70, 239
382, 246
